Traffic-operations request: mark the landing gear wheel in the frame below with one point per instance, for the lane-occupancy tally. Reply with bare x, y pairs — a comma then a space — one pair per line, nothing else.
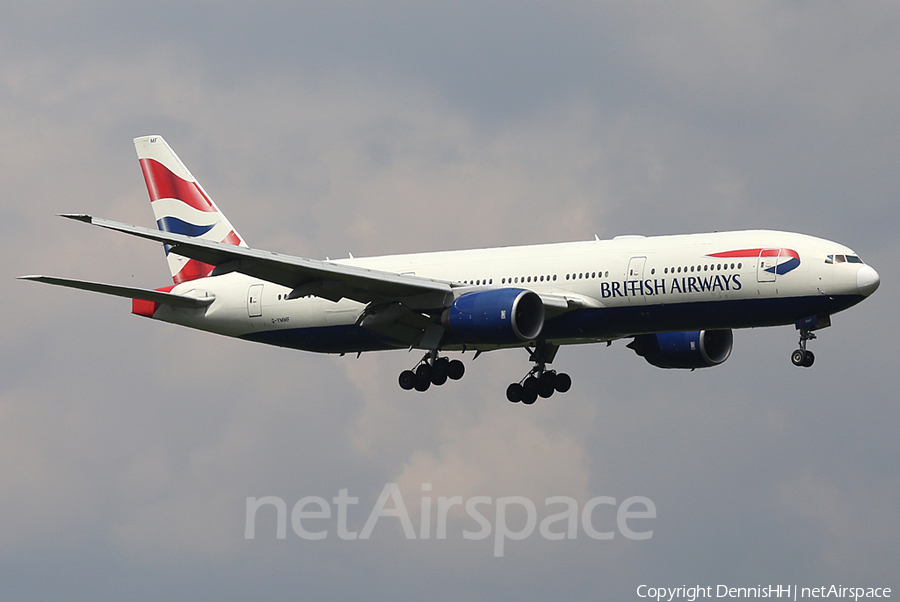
456, 369
440, 368
530, 384
423, 377
530, 390
562, 382
809, 359
539, 381
803, 357
423, 372
407, 380
545, 385
439, 371
432, 370
529, 397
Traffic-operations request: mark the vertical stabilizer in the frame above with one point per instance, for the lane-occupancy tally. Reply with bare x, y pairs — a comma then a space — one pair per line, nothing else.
181, 206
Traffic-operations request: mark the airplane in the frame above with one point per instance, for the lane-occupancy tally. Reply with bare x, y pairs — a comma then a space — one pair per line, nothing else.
678, 298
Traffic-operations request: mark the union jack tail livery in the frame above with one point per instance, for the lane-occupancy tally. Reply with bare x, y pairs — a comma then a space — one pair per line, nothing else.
181, 206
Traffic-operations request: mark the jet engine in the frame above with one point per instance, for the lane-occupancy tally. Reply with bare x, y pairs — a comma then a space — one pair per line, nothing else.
694, 349
496, 316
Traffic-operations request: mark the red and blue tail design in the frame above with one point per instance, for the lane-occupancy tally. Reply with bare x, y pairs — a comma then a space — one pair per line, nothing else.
181, 206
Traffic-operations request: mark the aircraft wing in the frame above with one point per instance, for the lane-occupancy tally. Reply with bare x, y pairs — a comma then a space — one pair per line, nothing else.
305, 276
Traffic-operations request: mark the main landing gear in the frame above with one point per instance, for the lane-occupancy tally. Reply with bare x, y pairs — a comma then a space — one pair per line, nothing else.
539, 381
802, 357
432, 370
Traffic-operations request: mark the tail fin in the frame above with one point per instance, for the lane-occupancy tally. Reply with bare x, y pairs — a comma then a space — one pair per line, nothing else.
181, 206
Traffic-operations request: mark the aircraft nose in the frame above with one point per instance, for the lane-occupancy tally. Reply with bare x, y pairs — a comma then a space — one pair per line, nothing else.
867, 280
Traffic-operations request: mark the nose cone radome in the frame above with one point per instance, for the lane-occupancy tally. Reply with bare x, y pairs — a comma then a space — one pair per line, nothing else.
867, 280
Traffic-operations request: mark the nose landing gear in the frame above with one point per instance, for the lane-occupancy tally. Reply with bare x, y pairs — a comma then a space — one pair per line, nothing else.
802, 357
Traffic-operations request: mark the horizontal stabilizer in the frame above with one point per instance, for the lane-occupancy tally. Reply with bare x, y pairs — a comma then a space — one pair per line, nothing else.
128, 292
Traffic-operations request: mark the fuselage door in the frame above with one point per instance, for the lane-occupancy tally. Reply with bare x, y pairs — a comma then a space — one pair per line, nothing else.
634, 279
254, 300
766, 268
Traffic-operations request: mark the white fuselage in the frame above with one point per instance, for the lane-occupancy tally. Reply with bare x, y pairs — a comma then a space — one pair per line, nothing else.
622, 287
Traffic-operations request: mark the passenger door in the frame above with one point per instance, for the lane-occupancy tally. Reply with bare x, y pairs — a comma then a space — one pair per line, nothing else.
768, 261
254, 300
635, 275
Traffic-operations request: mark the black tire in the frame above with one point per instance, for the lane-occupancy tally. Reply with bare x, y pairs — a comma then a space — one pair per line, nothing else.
549, 376
422, 384
545, 386
809, 359
423, 372
456, 369
407, 380
423, 377
514, 392
563, 382
438, 378
440, 367
529, 396
797, 357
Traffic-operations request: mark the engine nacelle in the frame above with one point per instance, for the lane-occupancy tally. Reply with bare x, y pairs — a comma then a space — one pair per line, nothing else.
696, 349
499, 315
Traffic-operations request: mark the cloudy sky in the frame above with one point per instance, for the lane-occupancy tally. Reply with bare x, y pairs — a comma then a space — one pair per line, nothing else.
128, 448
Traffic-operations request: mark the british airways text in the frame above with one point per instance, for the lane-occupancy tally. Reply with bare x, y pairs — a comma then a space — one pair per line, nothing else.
660, 286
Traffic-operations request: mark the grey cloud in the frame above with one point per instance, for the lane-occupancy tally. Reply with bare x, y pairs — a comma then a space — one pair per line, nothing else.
127, 448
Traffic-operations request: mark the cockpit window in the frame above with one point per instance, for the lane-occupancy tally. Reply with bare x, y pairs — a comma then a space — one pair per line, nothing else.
843, 259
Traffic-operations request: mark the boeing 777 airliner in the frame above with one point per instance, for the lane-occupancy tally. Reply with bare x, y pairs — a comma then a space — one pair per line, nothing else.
677, 298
